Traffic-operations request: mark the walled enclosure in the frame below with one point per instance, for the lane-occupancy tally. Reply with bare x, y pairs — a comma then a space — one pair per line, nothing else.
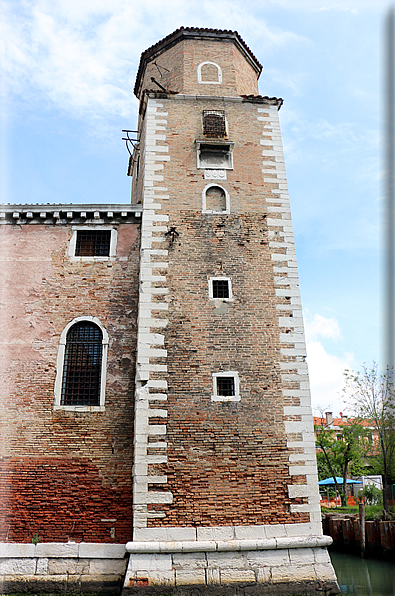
199, 471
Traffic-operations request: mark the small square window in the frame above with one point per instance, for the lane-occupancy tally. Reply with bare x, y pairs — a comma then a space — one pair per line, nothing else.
225, 386
220, 288
93, 243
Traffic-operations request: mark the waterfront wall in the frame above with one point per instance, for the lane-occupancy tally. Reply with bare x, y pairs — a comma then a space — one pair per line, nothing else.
287, 565
56, 568
346, 535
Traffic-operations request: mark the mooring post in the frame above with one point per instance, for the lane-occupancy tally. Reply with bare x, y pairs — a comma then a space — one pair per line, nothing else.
362, 521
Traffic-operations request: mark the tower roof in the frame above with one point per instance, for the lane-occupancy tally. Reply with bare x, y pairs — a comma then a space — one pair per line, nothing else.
194, 33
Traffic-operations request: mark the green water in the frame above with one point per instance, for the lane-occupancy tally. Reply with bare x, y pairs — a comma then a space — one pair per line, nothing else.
364, 577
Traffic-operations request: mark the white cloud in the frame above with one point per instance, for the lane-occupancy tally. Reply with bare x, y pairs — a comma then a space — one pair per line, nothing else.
326, 370
82, 56
326, 375
319, 326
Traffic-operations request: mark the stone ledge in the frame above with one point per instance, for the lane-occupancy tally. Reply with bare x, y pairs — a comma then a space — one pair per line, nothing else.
62, 550
228, 545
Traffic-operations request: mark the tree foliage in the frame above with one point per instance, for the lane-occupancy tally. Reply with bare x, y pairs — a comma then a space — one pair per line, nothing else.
371, 395
343, 451
371, 494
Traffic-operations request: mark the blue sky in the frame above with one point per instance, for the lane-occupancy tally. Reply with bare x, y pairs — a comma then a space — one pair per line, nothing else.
68, 71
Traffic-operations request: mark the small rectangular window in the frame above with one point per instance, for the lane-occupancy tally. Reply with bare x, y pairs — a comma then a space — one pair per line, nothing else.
214, 123
217, 156
220, 288
225, 386
93, 243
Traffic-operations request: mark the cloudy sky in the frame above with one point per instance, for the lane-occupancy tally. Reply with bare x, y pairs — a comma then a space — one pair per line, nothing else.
68, 70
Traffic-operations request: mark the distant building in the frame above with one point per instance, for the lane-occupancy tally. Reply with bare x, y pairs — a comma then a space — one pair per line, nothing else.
335, 424
157, 428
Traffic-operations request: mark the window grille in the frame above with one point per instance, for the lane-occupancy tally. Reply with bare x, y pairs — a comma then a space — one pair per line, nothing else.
225, 386
82, 366
214, 123
221, 288
93, 243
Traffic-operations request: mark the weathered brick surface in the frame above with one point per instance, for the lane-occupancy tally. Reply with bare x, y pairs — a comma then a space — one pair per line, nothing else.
227, 463
63, 472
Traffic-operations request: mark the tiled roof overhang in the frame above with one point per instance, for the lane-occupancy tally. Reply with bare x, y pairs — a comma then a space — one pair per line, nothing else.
194, 33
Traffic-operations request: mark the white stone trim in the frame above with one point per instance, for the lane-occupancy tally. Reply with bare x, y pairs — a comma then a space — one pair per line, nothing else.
227, 373
62, 550
219, 74
226, 211
150, 333
228, 545
72, 244
60, 360
295, 370
226, 533
215, 174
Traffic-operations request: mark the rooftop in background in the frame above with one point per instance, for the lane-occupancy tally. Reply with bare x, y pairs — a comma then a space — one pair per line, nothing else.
334, 423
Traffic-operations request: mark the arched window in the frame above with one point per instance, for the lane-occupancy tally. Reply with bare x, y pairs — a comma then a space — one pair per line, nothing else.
81, 365
209, 73
215, 199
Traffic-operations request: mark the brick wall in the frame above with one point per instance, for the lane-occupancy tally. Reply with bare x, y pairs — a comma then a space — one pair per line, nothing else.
65, 472
222, 463
178, 69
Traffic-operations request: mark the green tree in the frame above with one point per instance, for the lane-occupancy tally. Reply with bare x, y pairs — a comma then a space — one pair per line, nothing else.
343, 450
371, 395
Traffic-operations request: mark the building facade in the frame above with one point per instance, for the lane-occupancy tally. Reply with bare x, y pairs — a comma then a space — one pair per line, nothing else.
188, 459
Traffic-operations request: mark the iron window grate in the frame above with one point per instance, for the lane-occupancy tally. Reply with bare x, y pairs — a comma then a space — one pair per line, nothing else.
93, 243
214, 124
82, 366
225, 386
221, 288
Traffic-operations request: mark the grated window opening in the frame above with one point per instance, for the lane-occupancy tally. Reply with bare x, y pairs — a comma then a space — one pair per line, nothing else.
82, 366
214, 124
93, 243
221, 288
225, 386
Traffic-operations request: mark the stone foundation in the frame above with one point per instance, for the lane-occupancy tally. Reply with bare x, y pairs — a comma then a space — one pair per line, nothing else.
62, 568
284, 565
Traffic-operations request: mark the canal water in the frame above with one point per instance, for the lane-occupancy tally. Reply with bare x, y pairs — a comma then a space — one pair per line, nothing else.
364, 577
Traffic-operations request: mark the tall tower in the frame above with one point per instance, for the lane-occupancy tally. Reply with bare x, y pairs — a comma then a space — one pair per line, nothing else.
225, 482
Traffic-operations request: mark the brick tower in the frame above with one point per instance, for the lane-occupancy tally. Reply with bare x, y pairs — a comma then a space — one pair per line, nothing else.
225, 485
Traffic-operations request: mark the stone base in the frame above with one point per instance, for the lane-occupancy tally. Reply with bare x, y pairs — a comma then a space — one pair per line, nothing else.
239, 567
62, 568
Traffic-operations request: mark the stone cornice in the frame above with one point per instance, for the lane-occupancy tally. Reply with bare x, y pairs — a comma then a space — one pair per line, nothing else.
64, 214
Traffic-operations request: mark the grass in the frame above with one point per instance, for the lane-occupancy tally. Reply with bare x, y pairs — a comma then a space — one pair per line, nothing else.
372, 512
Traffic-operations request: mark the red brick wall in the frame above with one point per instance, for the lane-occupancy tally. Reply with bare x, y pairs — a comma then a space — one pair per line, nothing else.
62, 499
65, 467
